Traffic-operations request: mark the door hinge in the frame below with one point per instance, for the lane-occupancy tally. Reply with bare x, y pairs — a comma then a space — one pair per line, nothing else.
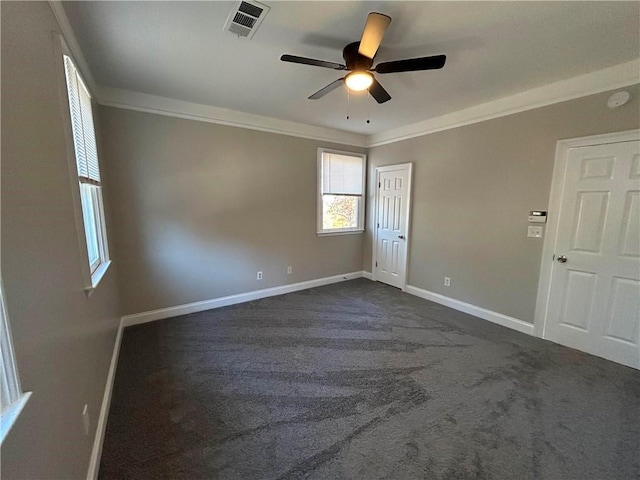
376, 264
378, 224
379, 184
554, 257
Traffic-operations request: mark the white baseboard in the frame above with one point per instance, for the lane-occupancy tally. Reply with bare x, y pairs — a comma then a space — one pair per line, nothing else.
366, 275
480, 312
96, 452
169, 312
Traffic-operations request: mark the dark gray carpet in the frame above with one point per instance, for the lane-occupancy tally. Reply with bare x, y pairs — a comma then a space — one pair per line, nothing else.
358, 380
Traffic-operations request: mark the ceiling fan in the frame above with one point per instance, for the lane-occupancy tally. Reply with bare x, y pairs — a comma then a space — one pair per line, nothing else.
359, 56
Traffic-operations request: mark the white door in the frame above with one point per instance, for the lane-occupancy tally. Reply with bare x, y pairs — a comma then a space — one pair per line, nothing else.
594, 299
392, 224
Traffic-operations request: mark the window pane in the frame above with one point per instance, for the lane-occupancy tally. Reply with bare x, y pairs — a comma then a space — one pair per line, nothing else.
10, 391
90, 223
340, 211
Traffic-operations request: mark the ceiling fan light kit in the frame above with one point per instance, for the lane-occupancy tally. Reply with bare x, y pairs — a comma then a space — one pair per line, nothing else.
358, 81
358, 57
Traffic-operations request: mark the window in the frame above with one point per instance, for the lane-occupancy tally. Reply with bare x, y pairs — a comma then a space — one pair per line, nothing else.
340, 192
12, 400
86, 154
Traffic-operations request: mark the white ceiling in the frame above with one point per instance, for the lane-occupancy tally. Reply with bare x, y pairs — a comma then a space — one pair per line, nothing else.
494, 49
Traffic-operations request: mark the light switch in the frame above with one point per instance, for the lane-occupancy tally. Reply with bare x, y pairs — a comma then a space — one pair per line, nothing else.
535, 232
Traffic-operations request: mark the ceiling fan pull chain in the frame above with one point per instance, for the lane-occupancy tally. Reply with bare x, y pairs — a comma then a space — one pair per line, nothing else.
368, 106
348, 99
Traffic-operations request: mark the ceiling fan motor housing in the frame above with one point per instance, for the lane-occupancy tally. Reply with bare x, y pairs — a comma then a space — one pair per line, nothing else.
354, 60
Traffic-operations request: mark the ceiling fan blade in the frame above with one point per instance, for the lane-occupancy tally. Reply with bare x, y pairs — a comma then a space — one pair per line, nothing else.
378, 92
329, 88
312, 61
374, 30
412, 64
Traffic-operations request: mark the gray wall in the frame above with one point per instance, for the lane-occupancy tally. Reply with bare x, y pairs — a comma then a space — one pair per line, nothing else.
199, 208
473, 187
63, 340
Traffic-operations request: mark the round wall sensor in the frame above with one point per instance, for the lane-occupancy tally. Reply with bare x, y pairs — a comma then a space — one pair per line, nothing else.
618, 99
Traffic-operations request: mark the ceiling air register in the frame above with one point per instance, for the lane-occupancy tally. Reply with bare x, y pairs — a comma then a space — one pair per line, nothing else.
245, 19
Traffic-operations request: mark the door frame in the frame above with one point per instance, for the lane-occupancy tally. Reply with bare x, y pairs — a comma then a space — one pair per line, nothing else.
389, 168
553, 216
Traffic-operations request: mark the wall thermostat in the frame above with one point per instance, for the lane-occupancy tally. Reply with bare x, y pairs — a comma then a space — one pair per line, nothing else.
537, 216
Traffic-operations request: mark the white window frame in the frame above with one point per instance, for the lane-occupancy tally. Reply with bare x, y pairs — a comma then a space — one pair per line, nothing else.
92, 272
340, 231
12, 399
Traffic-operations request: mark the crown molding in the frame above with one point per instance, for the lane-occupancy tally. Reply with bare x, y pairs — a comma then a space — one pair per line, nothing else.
143, 102
618, 76
599, 81
166, 106
72, 43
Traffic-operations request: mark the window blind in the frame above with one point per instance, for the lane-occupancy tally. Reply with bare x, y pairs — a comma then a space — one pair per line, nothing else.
341, 174
84, 139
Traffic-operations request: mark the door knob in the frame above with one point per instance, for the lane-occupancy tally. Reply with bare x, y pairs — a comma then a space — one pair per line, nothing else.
562, 258
401, 237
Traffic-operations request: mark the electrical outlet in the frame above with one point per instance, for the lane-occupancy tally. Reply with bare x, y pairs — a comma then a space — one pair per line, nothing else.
289, 270
534, 232
86, 421
447, 281
259, 276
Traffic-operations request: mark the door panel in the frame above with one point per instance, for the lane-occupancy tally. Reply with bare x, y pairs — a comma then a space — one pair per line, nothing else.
597, 167
635, 167
591, 212
392, 225
622, 325
383, 255
578, 297
630, 236
594, 301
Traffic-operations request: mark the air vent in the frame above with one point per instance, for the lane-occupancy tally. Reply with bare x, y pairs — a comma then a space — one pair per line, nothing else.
245, 19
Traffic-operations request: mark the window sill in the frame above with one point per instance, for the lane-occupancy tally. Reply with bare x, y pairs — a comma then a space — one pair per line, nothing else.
10, 415
96, 277
340, 232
